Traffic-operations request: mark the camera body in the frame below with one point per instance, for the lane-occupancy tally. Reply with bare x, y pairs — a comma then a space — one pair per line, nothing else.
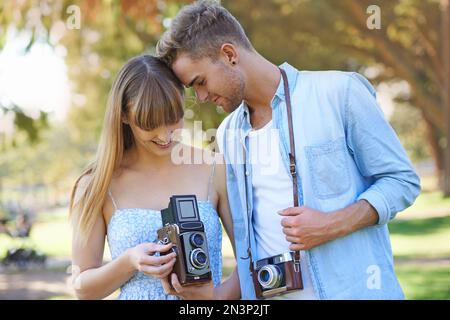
277, 275
183, 228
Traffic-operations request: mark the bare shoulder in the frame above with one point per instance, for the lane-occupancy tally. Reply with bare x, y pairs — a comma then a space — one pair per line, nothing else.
81, 186
120, 176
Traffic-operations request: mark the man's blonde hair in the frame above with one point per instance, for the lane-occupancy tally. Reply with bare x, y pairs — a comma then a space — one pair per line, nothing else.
199, 30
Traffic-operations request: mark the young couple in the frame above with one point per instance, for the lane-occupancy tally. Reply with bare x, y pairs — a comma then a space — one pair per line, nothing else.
351, 173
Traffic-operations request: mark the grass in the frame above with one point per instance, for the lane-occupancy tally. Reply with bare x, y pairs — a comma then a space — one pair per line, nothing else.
50, 234
429, 241
425, 282
421, 238
428, 202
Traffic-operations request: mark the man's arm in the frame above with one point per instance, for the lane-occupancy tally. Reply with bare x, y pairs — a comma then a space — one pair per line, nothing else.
353, 218
378, 153
380, 158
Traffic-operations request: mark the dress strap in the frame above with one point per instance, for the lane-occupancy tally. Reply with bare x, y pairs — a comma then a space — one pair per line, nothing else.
211, 180
112, 199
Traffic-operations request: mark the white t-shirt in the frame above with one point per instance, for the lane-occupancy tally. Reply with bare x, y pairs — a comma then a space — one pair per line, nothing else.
272, 192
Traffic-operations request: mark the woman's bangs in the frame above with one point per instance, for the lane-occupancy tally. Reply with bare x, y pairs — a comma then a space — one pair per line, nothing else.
160, 103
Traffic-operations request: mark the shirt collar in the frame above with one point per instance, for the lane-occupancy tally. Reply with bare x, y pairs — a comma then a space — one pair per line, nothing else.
291, 74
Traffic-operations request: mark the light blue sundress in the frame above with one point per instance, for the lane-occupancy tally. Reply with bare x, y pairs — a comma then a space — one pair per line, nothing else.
130, 227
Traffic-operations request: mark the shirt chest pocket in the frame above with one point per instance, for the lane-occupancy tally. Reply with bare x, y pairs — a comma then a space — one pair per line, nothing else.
329, 169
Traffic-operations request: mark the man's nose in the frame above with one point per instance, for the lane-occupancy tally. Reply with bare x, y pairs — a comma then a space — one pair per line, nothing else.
202, 95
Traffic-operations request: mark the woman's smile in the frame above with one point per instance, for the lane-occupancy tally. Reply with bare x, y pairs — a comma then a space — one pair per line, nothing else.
163, 145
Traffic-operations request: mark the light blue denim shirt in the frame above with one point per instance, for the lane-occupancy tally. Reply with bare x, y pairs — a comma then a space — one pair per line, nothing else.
346, 151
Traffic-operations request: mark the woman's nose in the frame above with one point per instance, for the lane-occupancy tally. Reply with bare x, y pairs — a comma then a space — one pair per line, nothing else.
164, 134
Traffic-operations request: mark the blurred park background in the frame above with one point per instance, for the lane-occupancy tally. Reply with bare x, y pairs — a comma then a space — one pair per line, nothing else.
57, 62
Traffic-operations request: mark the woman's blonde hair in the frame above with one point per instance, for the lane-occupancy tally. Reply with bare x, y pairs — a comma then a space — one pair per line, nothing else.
148, 88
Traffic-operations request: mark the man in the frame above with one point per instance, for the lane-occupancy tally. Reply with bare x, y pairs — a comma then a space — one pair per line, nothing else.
353, 174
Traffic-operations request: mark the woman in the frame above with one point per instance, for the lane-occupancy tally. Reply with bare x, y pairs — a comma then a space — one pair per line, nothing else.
121, 194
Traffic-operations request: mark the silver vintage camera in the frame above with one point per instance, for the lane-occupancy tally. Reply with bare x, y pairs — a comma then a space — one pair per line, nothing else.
277, 275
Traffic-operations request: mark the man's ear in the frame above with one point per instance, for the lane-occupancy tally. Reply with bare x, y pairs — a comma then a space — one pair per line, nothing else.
230, 53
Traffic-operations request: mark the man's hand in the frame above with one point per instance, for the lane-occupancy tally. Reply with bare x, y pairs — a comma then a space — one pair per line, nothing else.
203, 291
307, 228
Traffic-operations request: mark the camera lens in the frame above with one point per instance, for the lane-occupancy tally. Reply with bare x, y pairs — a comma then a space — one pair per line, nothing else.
199, 258
270, 276
265, 276
197, 239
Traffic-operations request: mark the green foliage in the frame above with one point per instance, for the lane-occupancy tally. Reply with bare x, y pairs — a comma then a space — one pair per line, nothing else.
326, 34
314, 35
32, 127
111, 33
42, 159
410, 127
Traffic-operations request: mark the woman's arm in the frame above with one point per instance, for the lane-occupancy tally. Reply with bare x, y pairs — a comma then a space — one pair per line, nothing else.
230, 288
92, 280
97, 281
220, 183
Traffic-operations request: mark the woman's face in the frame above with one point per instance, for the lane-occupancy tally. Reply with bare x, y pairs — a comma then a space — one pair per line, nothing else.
159, 141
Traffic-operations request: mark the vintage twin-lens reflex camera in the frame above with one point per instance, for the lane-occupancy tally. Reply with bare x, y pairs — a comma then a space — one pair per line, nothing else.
277, 275
182, 227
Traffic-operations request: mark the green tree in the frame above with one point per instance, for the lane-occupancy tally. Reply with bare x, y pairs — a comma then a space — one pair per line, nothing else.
109, 33
325, 34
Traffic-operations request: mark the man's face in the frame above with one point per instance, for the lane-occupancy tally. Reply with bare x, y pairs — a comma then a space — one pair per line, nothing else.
215, 81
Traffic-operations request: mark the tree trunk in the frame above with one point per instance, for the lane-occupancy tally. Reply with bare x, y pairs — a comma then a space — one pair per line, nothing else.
445, 7
437, 152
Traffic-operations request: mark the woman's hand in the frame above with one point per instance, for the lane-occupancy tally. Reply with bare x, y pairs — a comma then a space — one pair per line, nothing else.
142, 258
204, 291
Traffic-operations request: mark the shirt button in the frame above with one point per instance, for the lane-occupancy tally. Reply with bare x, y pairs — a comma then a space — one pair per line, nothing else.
247, 173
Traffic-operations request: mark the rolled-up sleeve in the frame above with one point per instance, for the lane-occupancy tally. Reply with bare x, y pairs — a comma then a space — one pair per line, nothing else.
378, 153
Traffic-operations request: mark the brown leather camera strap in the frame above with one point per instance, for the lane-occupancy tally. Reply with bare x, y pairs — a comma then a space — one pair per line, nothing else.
292, 169
292, 166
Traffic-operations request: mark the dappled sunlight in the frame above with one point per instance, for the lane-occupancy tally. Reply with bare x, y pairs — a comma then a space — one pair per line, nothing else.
58, 63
